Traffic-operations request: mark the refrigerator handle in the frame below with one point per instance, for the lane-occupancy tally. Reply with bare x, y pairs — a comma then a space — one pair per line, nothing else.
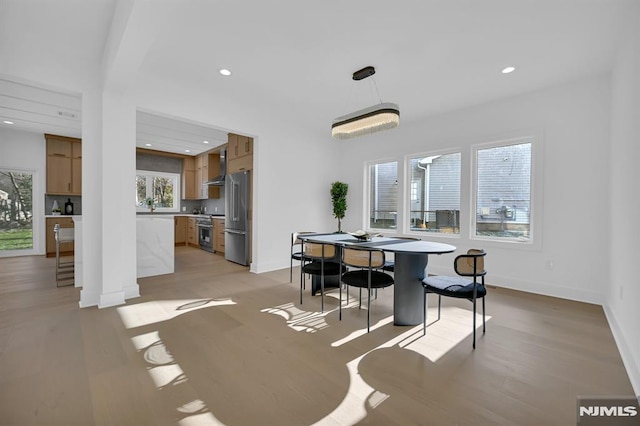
231, 231
236, 201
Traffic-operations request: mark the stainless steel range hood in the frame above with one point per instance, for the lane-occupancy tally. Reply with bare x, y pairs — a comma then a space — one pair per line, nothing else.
219, 180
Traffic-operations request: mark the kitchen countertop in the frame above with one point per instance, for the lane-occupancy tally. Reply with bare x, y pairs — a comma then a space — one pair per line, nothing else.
213, 216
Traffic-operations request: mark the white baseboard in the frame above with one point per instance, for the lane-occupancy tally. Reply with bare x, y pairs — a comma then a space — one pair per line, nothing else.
629, 359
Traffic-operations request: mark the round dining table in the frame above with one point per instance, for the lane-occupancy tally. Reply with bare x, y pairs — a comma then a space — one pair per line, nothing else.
411, 258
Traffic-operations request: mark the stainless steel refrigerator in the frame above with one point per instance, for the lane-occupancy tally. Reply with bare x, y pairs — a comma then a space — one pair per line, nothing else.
236, 232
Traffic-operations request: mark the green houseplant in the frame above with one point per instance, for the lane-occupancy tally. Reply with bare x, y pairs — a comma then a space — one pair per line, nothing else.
339, 200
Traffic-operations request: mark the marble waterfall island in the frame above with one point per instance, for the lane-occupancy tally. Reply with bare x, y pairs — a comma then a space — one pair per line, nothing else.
154, 245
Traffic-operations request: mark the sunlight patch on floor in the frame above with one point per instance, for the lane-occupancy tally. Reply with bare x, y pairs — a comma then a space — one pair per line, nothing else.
443, 335
362, 331
353, 408
298, 319
454, 326
161, 366
155, 311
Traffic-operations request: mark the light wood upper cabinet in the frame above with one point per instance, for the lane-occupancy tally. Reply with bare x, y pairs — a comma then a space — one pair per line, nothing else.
64, 165
238, 146
189, 178
198, 170
211, 171
239, 153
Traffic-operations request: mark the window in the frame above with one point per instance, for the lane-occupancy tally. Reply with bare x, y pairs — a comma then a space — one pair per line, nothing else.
503, 192
157, 188
16, 210
435, 193
383, 195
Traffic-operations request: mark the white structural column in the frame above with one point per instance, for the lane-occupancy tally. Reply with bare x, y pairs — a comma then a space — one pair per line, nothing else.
109, 219
118, 200
91, 195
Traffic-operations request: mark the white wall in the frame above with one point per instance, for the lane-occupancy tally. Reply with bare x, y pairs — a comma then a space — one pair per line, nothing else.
26, 151
293, 169
574, 121
624, 291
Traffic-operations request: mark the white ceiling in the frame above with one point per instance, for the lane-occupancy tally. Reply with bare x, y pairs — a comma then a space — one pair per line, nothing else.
431, 56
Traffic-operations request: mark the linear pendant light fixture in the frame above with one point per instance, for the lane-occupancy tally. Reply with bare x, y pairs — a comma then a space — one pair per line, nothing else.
368, 120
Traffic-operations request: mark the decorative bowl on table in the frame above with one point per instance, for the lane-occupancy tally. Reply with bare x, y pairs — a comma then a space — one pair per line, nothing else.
361, 235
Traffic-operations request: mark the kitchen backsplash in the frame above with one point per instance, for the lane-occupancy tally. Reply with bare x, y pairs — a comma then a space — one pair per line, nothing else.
213, 206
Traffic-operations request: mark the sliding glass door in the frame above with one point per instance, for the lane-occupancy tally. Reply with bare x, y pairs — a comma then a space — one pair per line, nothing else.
16, 211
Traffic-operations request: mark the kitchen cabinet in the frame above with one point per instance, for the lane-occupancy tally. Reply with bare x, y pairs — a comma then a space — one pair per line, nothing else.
64, 165
189, 190
66, 248
180, 237
239, 153
218, 235
192, 232
198, 170
238, 146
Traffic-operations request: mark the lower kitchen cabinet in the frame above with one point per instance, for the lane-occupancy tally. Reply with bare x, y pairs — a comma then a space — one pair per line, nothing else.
218, 235
192, 232
180, 230
66, 248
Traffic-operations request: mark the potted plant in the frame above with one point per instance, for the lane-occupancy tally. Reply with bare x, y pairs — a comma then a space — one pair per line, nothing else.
151, 204
339, 200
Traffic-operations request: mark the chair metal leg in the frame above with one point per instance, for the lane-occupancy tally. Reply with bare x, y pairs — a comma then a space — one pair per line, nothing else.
439, 304
321, 284
301, 282
424, 314
474, 323
368, 307
483, 322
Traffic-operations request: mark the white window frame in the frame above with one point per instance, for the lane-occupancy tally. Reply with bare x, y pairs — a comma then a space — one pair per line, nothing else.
536, 184
407, 197
367, 197
176, 191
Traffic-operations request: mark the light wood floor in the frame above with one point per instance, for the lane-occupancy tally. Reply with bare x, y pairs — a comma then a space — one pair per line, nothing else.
215, 344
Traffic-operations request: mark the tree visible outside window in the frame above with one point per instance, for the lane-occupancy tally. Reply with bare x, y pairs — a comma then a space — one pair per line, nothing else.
435, 193
16, 210
383, 195
157, 188
503, 192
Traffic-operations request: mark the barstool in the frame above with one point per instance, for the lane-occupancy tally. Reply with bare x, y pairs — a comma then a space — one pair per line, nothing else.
64, 270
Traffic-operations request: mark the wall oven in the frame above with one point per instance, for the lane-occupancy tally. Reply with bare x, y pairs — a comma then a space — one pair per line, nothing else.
205, 233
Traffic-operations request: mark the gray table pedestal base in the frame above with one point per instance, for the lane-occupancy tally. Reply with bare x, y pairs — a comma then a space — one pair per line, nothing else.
408, 294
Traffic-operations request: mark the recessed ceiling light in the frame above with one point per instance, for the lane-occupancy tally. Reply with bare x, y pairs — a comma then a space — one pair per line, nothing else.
147, 144
187, 150
7, 122
205, 141
508, 70
225, 72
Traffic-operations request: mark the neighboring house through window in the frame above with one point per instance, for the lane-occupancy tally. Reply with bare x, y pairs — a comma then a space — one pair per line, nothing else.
383, 195
502, 188
435, 193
